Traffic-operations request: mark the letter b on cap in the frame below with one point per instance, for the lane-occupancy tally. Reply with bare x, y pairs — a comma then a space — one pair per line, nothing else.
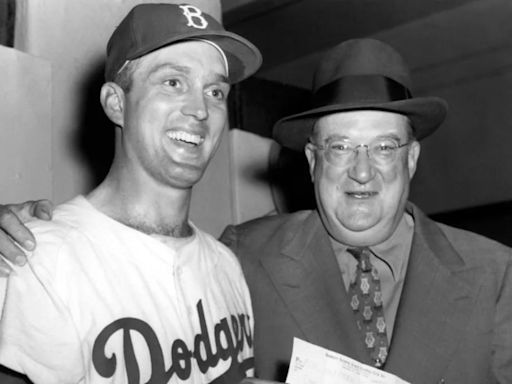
194, 17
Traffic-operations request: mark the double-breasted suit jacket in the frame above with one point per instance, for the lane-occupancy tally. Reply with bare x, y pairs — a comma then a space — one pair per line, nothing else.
454, 321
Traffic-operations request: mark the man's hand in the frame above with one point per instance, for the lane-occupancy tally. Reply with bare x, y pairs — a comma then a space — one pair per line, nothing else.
14, 234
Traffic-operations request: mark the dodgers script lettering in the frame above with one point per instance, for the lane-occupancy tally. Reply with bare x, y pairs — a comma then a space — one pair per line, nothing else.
229, 338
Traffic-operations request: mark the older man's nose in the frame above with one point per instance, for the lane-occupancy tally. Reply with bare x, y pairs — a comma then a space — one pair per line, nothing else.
362, 169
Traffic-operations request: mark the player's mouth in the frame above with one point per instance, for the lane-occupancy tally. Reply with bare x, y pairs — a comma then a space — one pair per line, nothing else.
185, 137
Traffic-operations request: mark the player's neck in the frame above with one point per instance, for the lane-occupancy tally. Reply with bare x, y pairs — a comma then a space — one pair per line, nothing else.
152, 210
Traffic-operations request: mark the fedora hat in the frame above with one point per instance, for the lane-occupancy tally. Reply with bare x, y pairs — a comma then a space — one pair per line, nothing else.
361, 74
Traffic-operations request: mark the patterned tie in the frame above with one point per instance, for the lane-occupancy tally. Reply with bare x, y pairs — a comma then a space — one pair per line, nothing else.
366, 302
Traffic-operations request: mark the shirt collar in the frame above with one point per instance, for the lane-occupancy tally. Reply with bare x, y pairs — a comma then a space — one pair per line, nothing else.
395, 250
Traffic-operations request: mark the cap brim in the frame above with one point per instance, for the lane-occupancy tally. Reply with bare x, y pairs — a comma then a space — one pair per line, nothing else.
426, 115
244, 59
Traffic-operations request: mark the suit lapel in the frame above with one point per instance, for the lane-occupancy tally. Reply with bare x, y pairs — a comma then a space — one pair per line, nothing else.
307, 277
437, 299
436, 304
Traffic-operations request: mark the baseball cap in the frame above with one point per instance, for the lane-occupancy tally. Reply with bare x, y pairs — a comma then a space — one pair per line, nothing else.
148, 27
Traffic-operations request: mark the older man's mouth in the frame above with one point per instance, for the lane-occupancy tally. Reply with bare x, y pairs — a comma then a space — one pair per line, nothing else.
361, 195
185, 137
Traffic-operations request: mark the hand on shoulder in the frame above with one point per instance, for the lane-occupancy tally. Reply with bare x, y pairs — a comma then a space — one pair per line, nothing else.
15, 237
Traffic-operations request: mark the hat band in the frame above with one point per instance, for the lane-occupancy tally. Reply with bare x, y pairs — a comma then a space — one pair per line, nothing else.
360, 89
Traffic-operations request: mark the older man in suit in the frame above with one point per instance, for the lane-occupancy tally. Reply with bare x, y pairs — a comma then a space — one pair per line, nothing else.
367, 274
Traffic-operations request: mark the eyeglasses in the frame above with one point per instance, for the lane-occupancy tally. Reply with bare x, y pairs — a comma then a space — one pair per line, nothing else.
338, 152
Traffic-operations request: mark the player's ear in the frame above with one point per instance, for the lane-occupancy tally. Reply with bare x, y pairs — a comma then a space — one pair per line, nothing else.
112, 98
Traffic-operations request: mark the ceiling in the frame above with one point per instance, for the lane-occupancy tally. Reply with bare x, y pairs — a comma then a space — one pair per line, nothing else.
291, 33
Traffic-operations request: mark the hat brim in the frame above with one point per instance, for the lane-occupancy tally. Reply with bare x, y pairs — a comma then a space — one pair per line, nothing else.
244, 59
425, 113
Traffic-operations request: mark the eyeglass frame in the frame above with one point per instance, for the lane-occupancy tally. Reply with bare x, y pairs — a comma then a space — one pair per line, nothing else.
355, 151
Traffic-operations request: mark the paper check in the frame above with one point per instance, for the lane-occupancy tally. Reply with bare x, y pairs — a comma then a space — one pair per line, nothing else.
311, 364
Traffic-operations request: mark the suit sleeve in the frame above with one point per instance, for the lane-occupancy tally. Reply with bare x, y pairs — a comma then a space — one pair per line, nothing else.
502, 342
229, 238
37, 334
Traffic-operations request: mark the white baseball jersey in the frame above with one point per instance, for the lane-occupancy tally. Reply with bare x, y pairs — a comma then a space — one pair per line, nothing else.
100, 302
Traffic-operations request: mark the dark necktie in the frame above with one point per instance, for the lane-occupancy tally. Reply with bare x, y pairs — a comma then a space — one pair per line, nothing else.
366, 301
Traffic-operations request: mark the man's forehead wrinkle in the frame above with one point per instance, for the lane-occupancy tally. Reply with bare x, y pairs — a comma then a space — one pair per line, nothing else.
385, 135
169, 67
184, 69
336, 136
334, 132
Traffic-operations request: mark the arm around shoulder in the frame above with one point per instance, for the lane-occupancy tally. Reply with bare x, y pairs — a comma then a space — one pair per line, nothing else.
14, 234
37, 334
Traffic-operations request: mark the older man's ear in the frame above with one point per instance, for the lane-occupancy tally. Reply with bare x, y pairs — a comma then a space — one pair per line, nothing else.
412, 160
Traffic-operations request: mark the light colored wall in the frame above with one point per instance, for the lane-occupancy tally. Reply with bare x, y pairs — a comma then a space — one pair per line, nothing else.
25, 128
252, 195
70, 38
211, 207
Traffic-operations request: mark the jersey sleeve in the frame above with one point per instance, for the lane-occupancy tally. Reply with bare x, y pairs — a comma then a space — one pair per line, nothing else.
37, 334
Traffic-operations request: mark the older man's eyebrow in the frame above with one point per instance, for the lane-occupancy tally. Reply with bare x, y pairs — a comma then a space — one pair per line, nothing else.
390, 135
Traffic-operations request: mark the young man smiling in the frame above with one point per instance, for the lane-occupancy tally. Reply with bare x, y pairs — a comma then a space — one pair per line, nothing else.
123, 287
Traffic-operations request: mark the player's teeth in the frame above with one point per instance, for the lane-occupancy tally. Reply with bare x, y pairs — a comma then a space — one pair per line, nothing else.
185, 137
